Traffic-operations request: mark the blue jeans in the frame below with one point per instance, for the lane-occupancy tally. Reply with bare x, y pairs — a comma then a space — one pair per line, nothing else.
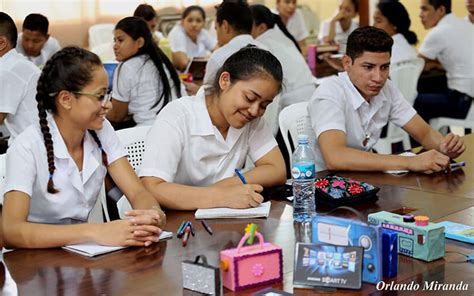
452, 104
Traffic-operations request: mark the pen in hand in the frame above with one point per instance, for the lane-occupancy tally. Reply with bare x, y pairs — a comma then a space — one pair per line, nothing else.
457, 165
241, 176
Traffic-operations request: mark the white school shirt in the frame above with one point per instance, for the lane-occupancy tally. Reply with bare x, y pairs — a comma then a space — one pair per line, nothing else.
298, 85
49, 49
402, 50
451, 42
180, 42
341, 36
27, 171
183, 146
220, 55
18, 79
296, 25
138, 83
338, 105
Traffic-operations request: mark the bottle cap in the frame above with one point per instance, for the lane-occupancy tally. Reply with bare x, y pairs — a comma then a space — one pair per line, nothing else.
421, 220
409, 218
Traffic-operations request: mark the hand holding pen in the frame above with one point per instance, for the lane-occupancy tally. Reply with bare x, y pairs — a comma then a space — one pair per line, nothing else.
245, 196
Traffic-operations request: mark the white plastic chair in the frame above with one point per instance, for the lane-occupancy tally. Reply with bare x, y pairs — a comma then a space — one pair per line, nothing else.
443, 122
100, 34
3, 172
133, 140
105, 51
405, 75
294, 120
271, 114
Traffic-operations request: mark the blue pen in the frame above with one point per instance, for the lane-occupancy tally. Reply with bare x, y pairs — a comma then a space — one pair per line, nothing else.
457, 165
241, 176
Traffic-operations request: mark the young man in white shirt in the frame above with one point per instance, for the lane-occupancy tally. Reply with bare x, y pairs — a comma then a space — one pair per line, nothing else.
18, 78
348, 113
233, 27
447, 46
34, 42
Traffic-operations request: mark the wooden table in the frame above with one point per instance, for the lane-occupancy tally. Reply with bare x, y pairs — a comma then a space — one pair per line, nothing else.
157, 270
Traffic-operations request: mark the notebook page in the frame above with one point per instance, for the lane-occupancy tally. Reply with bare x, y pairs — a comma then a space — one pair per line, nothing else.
263, 210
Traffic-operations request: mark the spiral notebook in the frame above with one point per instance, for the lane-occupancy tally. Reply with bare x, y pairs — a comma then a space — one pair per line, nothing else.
263, 210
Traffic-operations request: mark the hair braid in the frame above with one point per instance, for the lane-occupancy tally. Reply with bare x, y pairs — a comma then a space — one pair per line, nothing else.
97, 140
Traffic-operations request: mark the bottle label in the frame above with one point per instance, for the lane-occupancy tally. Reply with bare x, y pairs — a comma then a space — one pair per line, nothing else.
303, 171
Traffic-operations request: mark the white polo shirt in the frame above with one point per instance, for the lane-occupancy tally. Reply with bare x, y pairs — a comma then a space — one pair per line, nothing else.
220, 55
183, 146
78, 191
296, 25
341, 36
180, 42
298, 83
18, 79
50, 47
402, 50
338, 105
451, 42
138, 83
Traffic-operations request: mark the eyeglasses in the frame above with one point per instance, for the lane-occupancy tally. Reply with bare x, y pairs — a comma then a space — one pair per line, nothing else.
102, 98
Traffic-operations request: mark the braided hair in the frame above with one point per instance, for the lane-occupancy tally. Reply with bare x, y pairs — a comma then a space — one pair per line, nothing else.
69, 69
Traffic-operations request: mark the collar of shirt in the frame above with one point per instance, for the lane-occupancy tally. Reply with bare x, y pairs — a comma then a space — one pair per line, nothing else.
12, 53
446, 20
357, 100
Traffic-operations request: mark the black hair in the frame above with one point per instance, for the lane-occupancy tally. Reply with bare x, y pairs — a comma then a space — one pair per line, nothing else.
438, 3
237, 14
356, 5
368, 39
136, 27
261, 14
69, 69
146, 12
247, 63
192, 8
398, 16
8, 28
36, 22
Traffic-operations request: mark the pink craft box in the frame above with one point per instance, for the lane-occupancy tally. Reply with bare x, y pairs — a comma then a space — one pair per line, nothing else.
251, 266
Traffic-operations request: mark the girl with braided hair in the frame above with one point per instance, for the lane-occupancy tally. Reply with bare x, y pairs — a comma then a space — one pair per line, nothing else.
56, 169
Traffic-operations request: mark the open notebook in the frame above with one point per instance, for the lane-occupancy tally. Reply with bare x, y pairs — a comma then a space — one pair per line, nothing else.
92, 249
261, 211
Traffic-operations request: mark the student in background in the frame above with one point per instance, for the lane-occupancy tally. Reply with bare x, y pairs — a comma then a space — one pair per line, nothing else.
18, 78
447, 46
293, 19
297, 78
144, 81
149, 15
189, 39
50, 195
470, 11
34, 41
348, 113
392, 17
337, 29
196, 142
233, 26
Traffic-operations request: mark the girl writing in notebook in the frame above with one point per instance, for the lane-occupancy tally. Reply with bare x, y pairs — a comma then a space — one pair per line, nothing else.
197, 142
55, 170
144, 81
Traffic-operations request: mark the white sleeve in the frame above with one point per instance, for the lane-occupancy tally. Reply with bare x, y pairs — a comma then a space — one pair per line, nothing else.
212, 67
177, 40
163, 149
401, 112
261, 140
210, 42
432, 46
323, 31
20, 177
301, 32
325, 112
123, 83
111, 143
12, 90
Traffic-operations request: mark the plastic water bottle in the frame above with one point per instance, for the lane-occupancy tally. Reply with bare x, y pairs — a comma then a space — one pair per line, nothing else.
304, 175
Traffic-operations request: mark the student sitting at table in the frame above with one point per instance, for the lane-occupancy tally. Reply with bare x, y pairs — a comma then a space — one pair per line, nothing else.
393, 18
233, 27
337, 29
447, 46
293, 19
298, 80
197, 142
144, 81
18, 78
51, 188
189, 39
34, 41
348, 113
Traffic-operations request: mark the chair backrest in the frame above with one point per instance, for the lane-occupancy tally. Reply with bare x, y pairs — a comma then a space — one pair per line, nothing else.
294, 120
133, 140
101, 33
3, 172
405, 75
105, 51
311, 20
167, 22
271, 114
